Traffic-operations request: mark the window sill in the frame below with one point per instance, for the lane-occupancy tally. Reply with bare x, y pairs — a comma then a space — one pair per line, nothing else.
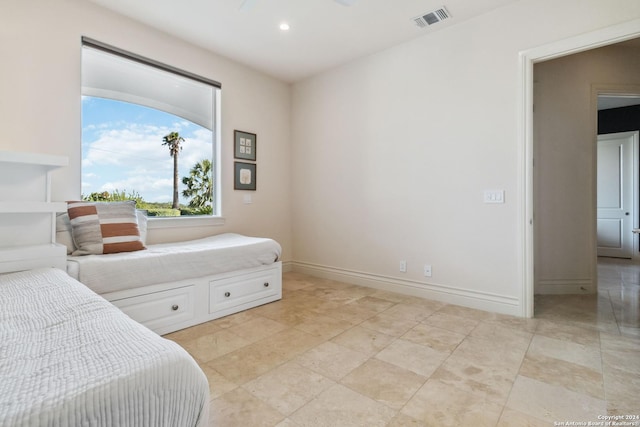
183, 222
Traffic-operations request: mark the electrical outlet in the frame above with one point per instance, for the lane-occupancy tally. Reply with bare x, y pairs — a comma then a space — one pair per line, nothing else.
403, 266
427, 270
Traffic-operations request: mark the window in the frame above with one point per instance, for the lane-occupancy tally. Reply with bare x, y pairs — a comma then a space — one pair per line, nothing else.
149, 133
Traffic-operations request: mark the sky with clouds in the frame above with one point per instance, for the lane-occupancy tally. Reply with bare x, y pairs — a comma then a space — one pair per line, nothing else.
122, 149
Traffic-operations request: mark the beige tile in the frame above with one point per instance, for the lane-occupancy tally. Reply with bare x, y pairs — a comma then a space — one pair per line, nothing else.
553, 403
239, 408
496, 332
439, 404
558, 374
363, 340
384, 382
417, 358
340, 295
289, 317
294, 283
621, 386
450, 322
331, 360
481, 368
393, 297
402, 420
246, 363
290, 342
352, 314
218, 385
428, 304
511, 418
622, 391
523, 324
324, 326
619, 344
288, 387
340, 406
566, 350
389, 325
573, 377
208, 347
468, 313
409, 312
372, 303
287, 423
257, 328
436, 338
235, 319
568, 332
626, 360
193, 332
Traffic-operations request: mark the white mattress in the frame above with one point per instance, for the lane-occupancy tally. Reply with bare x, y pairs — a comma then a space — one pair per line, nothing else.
70, 358
170, 262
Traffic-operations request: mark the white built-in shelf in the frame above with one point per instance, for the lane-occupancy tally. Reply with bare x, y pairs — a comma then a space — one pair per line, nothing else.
33, 199
19, 258
33, 159
32, 207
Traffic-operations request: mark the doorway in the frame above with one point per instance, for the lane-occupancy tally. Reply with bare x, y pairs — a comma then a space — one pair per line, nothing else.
600, 38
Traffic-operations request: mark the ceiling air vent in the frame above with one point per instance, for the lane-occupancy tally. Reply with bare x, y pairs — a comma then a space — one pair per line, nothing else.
431, 18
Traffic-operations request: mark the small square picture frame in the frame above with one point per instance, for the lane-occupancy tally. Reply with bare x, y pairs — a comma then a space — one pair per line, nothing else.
244, 145
244, 176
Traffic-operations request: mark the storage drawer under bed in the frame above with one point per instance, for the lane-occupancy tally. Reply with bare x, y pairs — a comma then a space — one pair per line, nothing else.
239, 290
160, 309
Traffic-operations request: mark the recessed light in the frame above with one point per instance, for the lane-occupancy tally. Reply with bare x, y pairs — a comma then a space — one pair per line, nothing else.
284, 26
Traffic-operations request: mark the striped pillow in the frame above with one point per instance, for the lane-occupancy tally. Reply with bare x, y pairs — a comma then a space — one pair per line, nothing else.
104, 228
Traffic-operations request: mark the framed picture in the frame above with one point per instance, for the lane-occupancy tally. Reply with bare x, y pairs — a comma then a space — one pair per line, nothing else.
245, 176
245, 145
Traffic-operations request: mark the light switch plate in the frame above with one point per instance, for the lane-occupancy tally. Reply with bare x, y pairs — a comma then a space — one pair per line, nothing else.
494, 196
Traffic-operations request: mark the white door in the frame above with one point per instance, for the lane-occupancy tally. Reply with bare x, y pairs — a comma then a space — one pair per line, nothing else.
615, 215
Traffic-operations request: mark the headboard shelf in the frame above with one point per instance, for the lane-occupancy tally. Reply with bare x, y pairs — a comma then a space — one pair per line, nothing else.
32, 207
33, 159
27, 214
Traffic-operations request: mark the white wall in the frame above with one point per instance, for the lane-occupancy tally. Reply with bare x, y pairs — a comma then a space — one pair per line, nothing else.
565, 174
392, 153
40, 105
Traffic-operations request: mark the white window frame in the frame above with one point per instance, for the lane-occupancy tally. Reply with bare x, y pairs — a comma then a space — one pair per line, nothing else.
181, 221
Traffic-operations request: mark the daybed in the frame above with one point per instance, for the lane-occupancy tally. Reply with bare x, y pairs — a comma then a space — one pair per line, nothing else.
171, 286
69, 358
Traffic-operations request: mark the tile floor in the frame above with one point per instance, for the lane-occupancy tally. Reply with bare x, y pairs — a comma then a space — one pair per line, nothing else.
334, 354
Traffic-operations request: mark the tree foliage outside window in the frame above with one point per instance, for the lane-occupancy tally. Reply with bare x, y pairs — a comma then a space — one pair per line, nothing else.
199, 187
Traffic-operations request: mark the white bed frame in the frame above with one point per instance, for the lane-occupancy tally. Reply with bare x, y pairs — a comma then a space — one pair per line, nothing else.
168, 307
163, 307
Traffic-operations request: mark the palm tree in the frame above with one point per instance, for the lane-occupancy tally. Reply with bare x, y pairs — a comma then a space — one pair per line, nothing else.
199, 186
173, 141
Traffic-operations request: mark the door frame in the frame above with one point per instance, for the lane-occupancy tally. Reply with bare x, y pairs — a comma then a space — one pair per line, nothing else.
599, 38
635, 220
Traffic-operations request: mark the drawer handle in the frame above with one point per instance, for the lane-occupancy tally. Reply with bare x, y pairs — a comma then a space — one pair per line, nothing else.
175, 307
227, 294
266, 284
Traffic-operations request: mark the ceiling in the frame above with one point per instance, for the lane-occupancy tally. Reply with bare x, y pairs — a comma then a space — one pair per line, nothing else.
323, 33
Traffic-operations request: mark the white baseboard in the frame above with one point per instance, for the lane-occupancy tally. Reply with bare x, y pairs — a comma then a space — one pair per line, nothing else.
287, 266
464, 297
564, 286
